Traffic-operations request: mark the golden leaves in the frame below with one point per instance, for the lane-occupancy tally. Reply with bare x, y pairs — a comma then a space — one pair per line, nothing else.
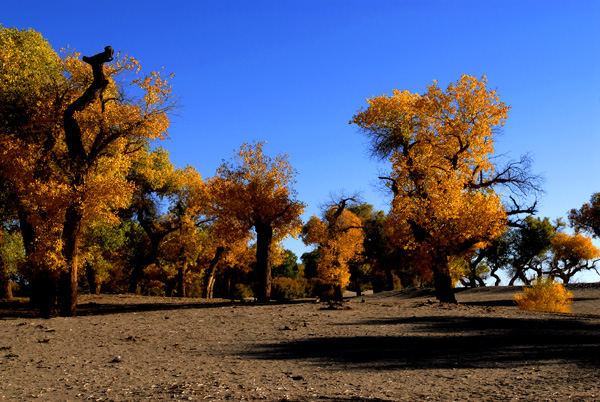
257, 189
37, 85
545, 295
573, 247
439, 143
340, 239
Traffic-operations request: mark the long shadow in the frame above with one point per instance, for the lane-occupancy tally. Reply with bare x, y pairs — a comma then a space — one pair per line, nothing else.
470, 342
491, 303
335, 399
19, 309
22, 309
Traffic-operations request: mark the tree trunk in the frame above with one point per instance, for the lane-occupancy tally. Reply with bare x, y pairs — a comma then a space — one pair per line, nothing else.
43, 293
493, 274
209, 280
264, 237
444, 290
480, 281
5, 284
42, 286
181, 271
78, 164
389, 275
519, 274
92, 281
338, 293
68, 286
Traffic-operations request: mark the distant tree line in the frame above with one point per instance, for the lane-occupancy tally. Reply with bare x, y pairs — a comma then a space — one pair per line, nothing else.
89, 202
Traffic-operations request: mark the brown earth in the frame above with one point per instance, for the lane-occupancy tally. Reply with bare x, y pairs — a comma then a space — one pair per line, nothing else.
393, 346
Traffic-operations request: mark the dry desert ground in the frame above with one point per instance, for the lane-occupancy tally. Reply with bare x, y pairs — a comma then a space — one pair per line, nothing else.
391, 346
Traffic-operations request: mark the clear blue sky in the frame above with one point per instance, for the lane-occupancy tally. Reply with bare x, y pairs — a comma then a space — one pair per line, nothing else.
293, 73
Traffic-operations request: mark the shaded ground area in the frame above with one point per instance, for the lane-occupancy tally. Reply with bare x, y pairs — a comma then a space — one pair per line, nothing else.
451, 343
392, 346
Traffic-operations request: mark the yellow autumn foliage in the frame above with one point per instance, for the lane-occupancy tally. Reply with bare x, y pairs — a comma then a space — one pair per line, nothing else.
439, 144
573, 247
36, 87
339, 238
545, 295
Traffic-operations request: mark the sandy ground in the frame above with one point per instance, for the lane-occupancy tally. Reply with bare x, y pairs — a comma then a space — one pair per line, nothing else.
393, 346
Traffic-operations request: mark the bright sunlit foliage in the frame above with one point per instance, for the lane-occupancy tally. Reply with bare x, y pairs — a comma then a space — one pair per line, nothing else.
439, 144
67, 165
545, 295
571, 255
339, 237
257, 192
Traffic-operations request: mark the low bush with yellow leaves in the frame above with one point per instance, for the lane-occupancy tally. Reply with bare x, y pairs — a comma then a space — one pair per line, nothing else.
545, 295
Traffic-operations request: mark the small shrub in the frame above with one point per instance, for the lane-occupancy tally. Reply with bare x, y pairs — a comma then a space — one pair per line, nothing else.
283, 288
545, 295
154, 287
316, 288
241, 291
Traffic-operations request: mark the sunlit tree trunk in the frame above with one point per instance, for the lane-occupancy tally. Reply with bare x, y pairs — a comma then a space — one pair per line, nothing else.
209, 280
264, 237
68, 280
181, 271
5, 285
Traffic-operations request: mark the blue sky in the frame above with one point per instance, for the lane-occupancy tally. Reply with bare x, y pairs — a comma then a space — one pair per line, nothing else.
293, 73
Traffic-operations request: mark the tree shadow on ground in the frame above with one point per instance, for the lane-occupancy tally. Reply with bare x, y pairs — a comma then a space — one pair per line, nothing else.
451, 342
335, 399
21, 308
491, 303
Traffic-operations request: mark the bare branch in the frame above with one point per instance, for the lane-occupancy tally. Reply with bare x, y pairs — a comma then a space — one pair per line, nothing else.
393, 184
516, 176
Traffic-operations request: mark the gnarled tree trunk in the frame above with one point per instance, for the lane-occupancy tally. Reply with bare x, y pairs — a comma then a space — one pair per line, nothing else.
79, 163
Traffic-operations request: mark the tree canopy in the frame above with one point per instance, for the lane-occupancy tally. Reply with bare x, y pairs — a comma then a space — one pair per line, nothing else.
445, 204
257, 191
339, 238
69, 131
587, 218
85, 188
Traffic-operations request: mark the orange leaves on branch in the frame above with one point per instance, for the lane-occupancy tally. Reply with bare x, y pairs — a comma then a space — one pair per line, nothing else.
587, 218
37, 85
